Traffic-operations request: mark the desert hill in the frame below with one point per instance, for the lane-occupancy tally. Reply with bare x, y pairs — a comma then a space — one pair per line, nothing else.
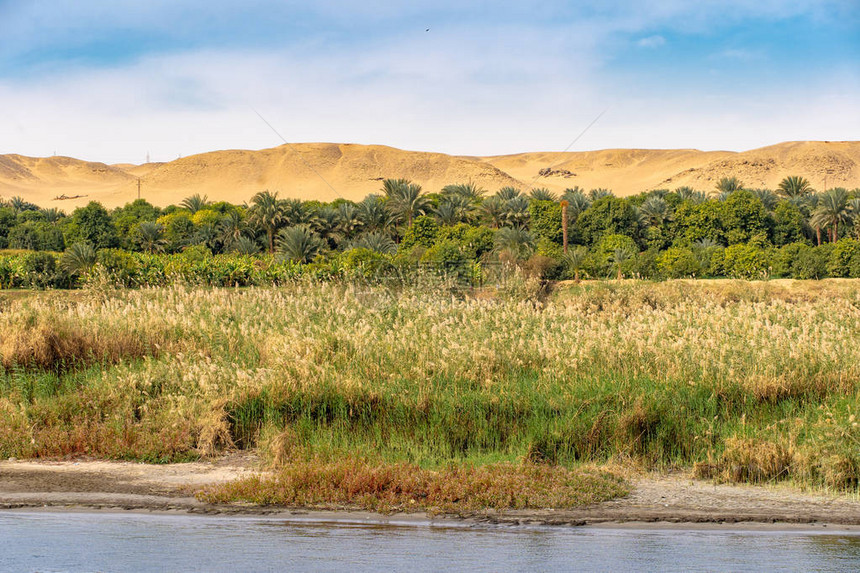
326, 171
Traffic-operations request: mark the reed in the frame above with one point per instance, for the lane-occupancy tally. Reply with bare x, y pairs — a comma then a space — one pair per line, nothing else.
741, 381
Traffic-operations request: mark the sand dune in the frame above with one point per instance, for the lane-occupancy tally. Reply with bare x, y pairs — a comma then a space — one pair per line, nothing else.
326, 171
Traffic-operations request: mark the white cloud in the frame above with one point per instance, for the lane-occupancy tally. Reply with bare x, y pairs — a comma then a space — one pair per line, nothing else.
651, 42
468, 89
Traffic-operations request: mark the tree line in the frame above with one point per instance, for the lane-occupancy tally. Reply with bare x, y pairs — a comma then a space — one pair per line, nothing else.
733, 230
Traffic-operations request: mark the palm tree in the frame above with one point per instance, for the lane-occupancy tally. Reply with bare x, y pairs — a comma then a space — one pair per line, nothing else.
832, 210
150, 236
577, 202
52, 215
19, 205
405, 199
767, 197
690, 194
299, 243
195, 202
729, 185
375, 241
517, 211
517, 243
374, 214
599, 193
795, 186
232, 228
655, 211
447, 213
244, 246
326, 223
854, 208
620, 256
705, 243
508, 193
453, 209
542, 194
469, 191
78, 259
493, 211
295, 212
348, 219
267, 213
575, 259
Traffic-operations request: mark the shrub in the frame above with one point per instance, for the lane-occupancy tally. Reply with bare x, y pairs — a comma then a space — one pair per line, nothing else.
844, 255
678, 262
811, 263
744, 261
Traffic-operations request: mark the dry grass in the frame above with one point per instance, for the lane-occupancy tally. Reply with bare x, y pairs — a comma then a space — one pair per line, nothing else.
358, 483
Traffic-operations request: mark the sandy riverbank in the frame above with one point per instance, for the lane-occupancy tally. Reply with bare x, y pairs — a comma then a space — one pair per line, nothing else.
668, 500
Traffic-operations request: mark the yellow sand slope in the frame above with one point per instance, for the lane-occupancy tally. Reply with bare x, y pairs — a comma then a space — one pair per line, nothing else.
326, 171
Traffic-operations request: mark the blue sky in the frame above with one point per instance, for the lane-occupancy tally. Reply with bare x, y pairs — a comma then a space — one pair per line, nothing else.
113, 81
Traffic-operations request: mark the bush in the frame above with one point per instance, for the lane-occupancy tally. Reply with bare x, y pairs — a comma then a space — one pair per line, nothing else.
119, 266
784, 259
40, 270
677, 262
811, 263
422, 231
744, 261
844, 256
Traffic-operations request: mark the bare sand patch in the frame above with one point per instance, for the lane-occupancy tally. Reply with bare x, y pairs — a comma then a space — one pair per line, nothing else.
655, 499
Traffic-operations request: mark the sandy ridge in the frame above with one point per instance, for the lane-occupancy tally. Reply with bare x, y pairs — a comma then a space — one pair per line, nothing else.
327, 171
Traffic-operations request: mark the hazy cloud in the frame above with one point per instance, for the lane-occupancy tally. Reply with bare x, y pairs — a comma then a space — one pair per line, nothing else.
651, 42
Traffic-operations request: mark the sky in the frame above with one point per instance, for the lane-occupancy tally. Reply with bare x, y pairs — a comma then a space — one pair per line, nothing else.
121, 81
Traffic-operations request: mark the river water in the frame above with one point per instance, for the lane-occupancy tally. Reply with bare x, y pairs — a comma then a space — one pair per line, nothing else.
50, 541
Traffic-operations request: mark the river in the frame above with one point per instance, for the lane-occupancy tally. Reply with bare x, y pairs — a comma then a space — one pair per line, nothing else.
57, 541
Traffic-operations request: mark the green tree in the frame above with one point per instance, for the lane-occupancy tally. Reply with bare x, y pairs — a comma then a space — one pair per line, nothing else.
608, 215
677, 262
267, 214
375, 241
514, 243
543, 194
545, 220
743, 217
575, 260
178, 229
299, 243
422, 232
794, 186
745, 261
126, 218
788, 223
92, 224
374, 214
844, 256
832, 210
149, 236
729, 185
195, 203
79, 259
405, 199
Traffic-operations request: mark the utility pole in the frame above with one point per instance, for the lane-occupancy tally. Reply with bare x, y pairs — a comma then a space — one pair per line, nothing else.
564, 225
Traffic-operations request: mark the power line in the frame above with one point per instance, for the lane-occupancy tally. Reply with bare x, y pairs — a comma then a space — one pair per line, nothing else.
566, 149
290, 145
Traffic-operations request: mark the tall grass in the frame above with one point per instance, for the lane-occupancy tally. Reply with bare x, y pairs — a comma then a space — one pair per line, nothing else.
741, 381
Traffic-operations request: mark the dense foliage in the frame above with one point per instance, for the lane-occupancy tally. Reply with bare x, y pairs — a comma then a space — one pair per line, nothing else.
737, 232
